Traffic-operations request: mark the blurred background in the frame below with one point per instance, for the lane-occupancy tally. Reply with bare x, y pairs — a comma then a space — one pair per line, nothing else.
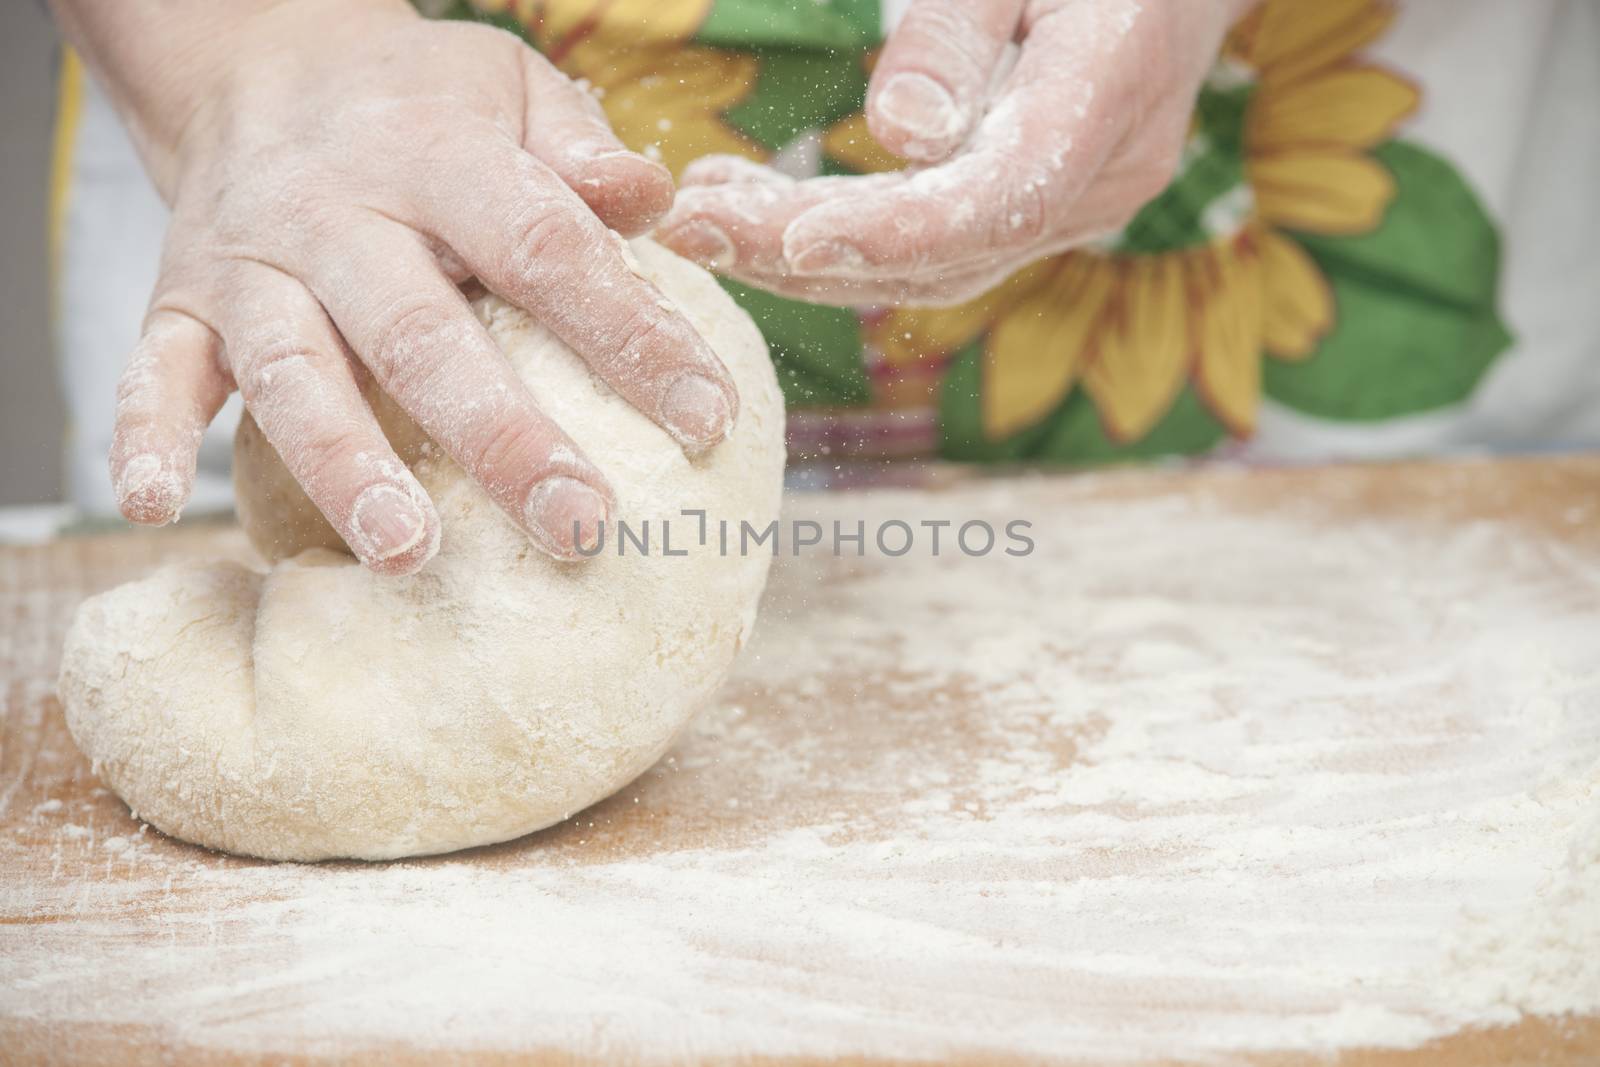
1464, 248
30, 402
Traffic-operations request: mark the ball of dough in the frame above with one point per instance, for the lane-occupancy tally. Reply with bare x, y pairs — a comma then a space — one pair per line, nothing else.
317, 710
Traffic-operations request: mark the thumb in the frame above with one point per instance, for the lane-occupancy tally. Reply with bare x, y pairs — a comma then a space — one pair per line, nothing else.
929, 86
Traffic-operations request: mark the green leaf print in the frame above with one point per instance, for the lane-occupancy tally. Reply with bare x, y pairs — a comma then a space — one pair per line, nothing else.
799, 91
822, 24
1212, 173
1416, 301
817, 350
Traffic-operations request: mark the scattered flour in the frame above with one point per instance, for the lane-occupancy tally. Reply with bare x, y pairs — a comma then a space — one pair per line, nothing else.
1187, 781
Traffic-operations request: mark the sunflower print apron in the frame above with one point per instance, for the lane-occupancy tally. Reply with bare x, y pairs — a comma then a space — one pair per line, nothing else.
1305, 253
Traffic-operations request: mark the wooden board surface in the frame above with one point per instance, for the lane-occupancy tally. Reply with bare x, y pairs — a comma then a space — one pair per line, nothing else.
1066, 807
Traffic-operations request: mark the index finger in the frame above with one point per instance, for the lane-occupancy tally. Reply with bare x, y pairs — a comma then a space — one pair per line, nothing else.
536, 244
431, 355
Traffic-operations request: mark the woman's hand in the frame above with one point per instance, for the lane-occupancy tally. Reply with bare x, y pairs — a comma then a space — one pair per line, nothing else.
334, 171
1018, 153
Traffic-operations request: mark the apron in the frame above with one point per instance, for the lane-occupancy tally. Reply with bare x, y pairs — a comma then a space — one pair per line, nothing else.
1327, 276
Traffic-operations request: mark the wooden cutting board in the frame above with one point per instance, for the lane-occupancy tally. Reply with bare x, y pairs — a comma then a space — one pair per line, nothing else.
1270, 767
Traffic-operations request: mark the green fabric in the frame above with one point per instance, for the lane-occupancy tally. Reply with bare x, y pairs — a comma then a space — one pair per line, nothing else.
817, 350
849, 25
800, 91
1418, 324
1213, 169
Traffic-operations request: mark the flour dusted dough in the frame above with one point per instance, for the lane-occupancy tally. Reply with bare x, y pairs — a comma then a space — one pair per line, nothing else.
318, 711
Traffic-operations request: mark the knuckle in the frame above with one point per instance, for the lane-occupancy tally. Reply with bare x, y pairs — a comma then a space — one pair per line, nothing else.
626, 351
239, 223
412, 345
322, 459
545, 234
266, 370
437, 135
508, 450
1024, 214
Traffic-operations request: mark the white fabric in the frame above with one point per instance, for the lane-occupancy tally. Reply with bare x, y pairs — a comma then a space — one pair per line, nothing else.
1511, 96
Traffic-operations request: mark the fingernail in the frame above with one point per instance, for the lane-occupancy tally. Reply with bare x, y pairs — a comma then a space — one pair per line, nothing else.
387, 522
605, 153
563, 513
696, 410
138, 474
595, 151
921, 107
826, 255
704, 242
147, 489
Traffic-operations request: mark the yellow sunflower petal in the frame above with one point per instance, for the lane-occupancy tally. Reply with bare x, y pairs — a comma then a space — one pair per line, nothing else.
1227, 279
669, 102
912, 335
1353, 107
1295, 38
1143, 351
1322, 191
1298, 307
557, 23
851, 143
1034, 352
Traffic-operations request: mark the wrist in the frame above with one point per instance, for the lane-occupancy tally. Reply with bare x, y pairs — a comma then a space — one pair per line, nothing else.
161, 63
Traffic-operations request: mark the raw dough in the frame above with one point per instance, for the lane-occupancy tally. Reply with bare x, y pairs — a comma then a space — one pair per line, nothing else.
318, 711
